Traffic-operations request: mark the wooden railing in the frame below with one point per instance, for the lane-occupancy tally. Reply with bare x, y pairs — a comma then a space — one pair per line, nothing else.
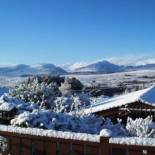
19, 144
120, 149
22, 144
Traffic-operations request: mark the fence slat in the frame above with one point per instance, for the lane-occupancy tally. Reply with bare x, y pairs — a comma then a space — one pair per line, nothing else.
65, 149
38, 147
26, 147
50, 148
91, 150
104, 146
15, 142
77, 149
118, 151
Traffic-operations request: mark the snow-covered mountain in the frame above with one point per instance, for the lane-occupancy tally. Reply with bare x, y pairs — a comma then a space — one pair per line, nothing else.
140, 67
71, 67
102, 66
96, 67
105, 66
22, 69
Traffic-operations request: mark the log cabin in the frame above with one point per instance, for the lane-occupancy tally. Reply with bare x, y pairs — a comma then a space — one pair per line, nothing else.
135, 105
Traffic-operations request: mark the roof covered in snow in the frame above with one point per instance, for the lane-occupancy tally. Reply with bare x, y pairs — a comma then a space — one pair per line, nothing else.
6, 103
145, 96
5, 106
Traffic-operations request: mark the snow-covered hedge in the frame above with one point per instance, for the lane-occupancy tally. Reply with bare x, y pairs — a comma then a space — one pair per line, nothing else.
36, 90
141, 127
48, 93
71, 86
71, 103
63, 122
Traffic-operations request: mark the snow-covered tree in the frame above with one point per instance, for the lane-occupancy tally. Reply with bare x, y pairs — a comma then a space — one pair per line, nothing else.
71, 103
71, 86
141, 127
64, 122
39, 90
44, 91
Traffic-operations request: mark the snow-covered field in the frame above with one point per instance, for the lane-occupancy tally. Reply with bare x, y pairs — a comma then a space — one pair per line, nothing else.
10, 82
114, 79
7, 83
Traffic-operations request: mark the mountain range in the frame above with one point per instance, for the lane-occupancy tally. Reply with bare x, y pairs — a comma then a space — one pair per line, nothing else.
81, 68
104, 67
25, 70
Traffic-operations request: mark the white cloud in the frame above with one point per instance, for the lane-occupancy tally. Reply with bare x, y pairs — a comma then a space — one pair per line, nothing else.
134, 61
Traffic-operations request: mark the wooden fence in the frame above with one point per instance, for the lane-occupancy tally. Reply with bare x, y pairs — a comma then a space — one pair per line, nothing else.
119, 149
21, 144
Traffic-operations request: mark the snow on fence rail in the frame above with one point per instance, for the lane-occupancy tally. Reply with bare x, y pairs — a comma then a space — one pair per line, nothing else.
50, 133
136, 141
30, 141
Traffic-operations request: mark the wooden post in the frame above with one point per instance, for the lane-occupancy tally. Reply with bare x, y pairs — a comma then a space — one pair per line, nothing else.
104, 145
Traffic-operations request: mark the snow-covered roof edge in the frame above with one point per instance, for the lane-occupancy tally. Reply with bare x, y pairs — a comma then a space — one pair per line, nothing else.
50, 133
140, 95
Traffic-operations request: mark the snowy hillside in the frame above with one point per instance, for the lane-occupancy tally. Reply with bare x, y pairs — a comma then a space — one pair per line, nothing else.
109, 66
95, 67
101, 66
71, 67
22, 69
115, 79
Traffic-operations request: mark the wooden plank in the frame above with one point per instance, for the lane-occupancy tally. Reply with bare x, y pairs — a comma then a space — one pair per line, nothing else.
65, 149
26, 147
141, 152
92, 150
50, 148
77, 149
118, 151
134, 152
38, 147
104, 146
15, 142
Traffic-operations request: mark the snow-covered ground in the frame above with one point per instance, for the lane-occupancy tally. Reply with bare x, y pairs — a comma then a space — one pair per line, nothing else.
7, 83
10, 82
106, 79
116, 78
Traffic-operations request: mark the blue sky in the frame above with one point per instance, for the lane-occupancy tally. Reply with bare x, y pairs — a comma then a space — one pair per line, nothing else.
62, 31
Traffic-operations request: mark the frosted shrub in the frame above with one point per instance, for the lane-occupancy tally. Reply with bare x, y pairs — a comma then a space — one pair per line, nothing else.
117, 129
64, 122
59, 121
44, 92
37, 90
71, 86
71, 103
140, 127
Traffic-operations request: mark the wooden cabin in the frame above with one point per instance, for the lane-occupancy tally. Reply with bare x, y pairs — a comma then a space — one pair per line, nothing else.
7, 112
135, 105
